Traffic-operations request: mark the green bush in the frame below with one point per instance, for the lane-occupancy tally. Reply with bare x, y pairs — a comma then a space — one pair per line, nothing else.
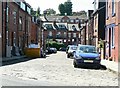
55, 45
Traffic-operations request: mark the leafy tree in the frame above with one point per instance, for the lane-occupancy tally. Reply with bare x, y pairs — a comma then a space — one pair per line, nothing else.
38, 12
33, 13
62, 9
50, 11
79, 13
68, 7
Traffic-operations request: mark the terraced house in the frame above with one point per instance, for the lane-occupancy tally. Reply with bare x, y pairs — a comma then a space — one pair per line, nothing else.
112, 30
16, 25
64, 29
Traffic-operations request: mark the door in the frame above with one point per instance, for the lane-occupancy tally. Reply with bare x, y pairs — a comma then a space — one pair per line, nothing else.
109, 42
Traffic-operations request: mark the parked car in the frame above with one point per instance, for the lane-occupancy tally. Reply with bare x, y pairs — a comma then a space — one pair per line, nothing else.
86, 55
70, 50
62, 49
43, 53
51, 50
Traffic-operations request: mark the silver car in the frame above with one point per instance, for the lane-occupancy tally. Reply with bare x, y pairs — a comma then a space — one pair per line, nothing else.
70, 50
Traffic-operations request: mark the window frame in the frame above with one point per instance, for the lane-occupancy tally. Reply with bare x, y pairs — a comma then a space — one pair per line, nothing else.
113, 37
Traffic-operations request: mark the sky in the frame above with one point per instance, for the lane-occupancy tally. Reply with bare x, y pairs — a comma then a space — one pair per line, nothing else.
78, 5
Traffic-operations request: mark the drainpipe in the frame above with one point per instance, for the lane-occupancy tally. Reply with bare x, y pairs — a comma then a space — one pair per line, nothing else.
45, 12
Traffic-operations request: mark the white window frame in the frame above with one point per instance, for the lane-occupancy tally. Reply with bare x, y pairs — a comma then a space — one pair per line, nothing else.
113, 37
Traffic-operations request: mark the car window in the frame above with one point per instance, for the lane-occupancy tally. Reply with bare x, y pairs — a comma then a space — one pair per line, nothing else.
73, 48
88, 49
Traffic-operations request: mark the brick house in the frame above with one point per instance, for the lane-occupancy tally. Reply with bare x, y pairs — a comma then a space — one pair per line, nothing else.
89, 28
98, 26
66, 33
66, 29
99, 22
16, 28
112, 30
34, 32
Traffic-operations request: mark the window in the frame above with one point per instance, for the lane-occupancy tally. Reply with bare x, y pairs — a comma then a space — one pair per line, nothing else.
74, 28
65, 34
50, 33
14, 14
62, 26
74, 35
72, 21
113, 37
28, 10
106, 9
69, 35
77, 21
67, 20
20, 23
113, 7
58, 34
22, 5
49, 26
7, 13
63, 20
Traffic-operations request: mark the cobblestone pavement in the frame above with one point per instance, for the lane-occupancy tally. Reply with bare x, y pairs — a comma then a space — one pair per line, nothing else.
57, 68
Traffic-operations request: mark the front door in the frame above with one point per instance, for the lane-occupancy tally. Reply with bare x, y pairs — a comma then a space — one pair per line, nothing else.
109, 42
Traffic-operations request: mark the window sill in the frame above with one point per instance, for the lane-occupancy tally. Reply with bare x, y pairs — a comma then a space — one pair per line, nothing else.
113, 47
113, 14
107, 18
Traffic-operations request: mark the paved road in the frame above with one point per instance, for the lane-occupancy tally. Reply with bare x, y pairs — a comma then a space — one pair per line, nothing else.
58, 70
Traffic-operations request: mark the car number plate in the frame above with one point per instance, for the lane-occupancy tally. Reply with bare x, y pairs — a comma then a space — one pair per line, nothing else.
91, 61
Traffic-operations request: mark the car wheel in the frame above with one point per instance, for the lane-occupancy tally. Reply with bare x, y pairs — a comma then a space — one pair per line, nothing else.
68, 56
75, 65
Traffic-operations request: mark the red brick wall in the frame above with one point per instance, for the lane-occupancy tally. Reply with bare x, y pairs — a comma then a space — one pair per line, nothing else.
116, 19
118, 31
34, 31
15, 27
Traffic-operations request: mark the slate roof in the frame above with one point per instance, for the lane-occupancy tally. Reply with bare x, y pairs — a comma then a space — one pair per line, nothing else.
61, 26
54, 18
48, 26
73, 27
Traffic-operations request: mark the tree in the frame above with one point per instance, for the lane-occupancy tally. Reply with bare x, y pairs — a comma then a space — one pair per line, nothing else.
50, 11
33, 13
66, 8
38, 12
79, 13
62, 9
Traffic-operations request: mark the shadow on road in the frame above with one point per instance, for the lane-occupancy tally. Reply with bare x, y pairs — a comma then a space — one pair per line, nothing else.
17, 61
101, 67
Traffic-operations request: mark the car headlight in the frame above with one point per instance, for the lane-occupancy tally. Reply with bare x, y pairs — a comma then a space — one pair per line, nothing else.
78, 57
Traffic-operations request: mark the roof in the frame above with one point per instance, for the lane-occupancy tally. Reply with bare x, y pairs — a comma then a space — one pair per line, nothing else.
73, 27
48, 26
54, 18
61, 26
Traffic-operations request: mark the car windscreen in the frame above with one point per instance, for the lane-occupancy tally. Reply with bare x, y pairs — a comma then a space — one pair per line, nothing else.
88, 49
73, 48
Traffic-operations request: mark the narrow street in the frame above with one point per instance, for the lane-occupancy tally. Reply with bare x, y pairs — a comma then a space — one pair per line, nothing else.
59, 70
